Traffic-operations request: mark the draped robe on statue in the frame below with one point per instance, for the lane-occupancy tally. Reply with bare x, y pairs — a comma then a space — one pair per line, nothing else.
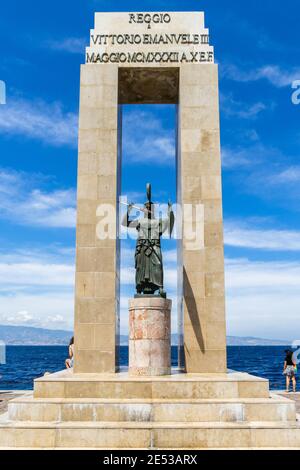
148, 256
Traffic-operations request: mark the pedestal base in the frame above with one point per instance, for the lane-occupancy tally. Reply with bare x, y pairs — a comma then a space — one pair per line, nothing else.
179, 411
149, 336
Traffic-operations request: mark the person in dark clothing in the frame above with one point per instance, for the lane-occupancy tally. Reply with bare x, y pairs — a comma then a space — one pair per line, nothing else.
289, 370
70, 361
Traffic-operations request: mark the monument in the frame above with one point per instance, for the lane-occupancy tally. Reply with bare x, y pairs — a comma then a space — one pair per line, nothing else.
150, 58
158, 57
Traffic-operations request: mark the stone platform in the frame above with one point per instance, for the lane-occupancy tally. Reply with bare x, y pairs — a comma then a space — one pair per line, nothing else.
179, 411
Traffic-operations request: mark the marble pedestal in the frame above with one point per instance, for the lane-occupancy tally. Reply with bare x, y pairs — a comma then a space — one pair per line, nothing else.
149, 336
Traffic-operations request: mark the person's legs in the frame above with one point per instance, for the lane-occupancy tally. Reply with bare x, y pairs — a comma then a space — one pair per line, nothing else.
287, 383
294, 384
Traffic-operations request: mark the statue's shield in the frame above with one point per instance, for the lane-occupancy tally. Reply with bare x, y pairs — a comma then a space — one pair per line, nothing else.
172, 222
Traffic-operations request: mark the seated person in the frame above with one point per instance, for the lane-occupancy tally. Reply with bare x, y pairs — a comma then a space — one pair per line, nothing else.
70, 361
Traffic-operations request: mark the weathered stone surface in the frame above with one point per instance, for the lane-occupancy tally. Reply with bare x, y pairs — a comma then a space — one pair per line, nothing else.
66, 384
200, 183
190, 411
149, 336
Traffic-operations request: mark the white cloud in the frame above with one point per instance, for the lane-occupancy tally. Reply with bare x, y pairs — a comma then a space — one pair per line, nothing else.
264, 171
287, 176
39, 120
245, 235
37, 287
263, 298
52, 309
232, 108
22, 316
24, 204
273, 316
261, 276
257, 154
232, 158
49, 254
170, 256
30, 269
127, 275
275, 75
146, 140
271, 182
71, 45
35, 274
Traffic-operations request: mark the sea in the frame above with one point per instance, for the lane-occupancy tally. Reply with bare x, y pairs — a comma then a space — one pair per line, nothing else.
25, 363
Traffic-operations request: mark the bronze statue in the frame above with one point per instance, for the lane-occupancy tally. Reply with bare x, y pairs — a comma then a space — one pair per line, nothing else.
148, 256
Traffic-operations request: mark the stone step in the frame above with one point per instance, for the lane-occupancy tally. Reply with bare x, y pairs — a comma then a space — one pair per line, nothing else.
128, 435
155, 410
121, 385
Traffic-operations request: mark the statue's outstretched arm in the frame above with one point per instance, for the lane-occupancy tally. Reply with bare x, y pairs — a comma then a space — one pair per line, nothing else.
126, 222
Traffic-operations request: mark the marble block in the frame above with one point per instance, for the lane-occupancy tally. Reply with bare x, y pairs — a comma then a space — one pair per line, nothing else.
149, 336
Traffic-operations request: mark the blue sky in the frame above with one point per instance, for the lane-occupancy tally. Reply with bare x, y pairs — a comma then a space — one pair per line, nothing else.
256, 46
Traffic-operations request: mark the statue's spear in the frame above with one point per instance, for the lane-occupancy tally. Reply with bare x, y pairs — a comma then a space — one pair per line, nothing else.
142, 209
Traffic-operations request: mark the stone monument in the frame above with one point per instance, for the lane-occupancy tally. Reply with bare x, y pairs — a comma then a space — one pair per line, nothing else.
157, 57
150, 58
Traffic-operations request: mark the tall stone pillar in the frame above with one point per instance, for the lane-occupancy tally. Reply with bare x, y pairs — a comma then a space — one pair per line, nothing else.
96, 303
200, 180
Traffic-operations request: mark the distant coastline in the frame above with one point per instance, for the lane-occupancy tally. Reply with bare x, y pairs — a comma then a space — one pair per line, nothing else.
30, 336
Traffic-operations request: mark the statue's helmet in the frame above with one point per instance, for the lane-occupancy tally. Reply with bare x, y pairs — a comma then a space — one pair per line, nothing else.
149, 204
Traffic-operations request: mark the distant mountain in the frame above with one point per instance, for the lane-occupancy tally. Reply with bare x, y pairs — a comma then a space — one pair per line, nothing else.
27, 335
250, 341
231, 341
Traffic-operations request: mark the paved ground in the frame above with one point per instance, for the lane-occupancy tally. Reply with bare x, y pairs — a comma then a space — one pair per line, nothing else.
292, 396
6, 395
